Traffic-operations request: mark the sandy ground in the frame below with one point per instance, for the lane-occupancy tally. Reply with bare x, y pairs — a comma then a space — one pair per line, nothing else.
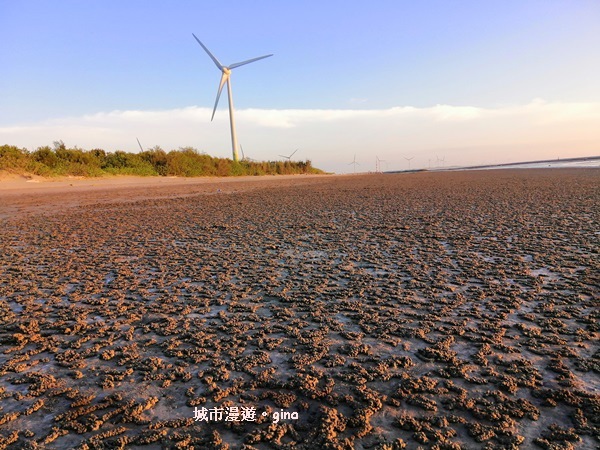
22, 194
426, 310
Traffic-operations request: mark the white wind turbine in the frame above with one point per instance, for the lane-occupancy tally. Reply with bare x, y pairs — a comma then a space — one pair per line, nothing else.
442, 160
244, 156
354, 163
409, 160
378, 164
225, 78
289, 158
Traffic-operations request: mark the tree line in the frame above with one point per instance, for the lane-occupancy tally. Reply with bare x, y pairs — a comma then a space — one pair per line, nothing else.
184, 162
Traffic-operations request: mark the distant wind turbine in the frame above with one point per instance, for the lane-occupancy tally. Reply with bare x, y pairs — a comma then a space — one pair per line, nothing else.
289, 157
225, 78
408, 159
354, 163
378, 164
244, 156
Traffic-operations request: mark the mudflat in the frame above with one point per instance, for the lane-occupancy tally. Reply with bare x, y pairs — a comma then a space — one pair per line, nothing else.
441, 310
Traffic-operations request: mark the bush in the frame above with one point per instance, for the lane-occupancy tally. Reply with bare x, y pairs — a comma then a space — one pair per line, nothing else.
157, 158
122, 163
46, 156
184, 162
13, 158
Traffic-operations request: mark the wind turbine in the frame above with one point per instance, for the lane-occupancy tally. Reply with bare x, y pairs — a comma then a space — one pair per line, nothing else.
355, 163
244, 156
225, 78
378, 164
289, 157
408, 159
443, 160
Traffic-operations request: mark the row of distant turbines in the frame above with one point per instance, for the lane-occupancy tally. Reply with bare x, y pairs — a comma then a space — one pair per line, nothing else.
440, 162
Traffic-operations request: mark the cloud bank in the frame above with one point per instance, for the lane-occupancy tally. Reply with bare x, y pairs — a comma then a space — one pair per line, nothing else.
330, 137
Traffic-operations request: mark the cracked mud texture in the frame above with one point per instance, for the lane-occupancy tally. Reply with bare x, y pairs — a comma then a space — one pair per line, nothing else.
428, 310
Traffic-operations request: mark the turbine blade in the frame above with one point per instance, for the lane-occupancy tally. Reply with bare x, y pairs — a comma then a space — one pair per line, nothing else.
234, 65
293, 152
215, 60
139, 144
224, 78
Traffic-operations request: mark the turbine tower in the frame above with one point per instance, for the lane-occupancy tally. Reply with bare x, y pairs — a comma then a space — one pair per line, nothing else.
354, 163
378, 164
225, 78
442, 160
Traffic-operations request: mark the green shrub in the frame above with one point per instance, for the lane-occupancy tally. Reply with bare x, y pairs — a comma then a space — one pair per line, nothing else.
156, 157
46, 156
13, 158
184, 162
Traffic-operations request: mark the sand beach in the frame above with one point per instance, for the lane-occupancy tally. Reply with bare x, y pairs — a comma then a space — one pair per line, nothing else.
448, 310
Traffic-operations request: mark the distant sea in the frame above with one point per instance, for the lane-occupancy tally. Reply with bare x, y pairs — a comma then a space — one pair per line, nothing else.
591, 162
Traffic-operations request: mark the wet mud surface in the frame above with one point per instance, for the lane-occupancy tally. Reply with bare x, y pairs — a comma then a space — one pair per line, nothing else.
442, 311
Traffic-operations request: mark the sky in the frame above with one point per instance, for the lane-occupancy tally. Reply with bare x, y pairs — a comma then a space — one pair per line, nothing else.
444, 83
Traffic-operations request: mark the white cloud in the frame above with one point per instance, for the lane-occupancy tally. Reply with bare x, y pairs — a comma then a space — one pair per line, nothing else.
464, 134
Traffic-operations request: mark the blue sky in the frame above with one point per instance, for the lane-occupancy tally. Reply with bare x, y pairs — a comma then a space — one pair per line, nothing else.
473, 81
